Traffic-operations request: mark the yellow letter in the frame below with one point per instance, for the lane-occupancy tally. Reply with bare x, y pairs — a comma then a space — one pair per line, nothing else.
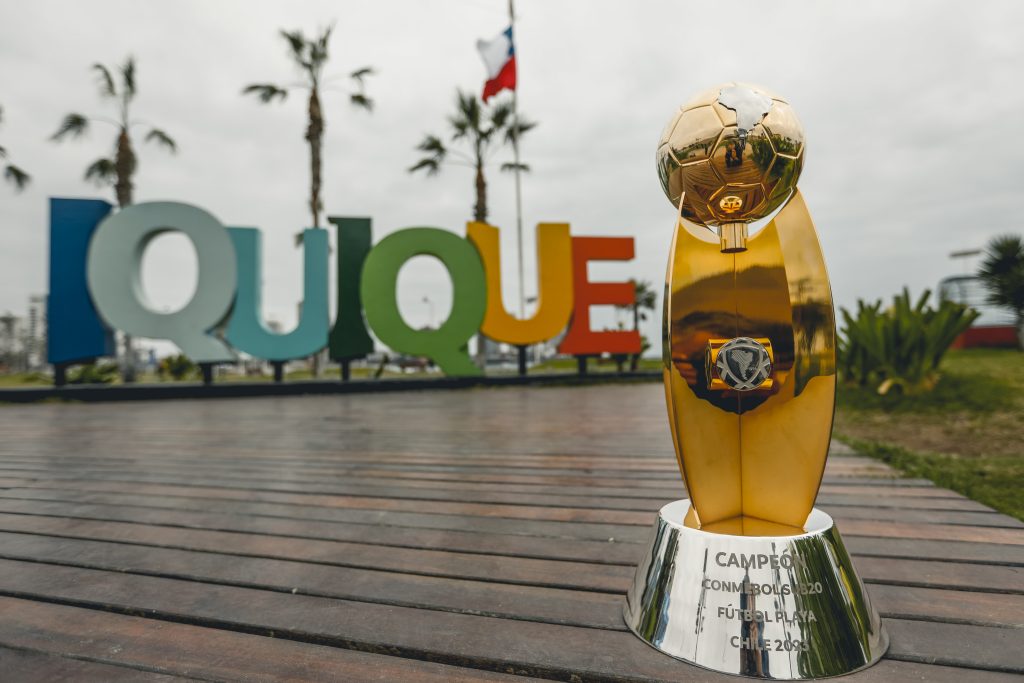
554, 293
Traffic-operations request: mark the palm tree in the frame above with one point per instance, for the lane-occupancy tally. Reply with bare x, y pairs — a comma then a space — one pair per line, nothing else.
12, 174
119, 170
645, 299
1002, 272
483, 129
310, 56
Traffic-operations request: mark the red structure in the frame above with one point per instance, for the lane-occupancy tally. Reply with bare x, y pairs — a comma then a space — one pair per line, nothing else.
989, 336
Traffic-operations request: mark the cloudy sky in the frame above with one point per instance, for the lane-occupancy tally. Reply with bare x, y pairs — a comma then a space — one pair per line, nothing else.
911, 112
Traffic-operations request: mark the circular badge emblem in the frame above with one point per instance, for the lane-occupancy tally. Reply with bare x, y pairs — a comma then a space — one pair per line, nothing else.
730, 203
743, 364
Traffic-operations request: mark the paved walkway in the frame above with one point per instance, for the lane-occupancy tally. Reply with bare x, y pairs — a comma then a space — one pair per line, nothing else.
476, 535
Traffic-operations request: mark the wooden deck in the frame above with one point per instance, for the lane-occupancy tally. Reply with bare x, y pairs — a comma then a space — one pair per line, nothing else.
477, 535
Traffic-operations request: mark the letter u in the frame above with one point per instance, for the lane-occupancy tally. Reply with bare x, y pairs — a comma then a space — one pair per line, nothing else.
246, 331
554, 285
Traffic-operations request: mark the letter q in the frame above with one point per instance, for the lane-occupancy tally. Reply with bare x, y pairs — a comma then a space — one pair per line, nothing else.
114, 269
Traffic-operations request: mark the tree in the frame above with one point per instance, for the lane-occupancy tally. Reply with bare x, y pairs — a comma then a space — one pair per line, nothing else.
646, 299
119, 170
1002, 272
484, 129
13, 174
310, 56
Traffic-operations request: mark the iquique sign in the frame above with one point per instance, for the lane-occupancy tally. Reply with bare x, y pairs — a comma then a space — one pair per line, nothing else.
95, 288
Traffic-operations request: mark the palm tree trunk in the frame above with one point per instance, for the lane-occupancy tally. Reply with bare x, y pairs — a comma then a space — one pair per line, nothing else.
124, 166
480, 210
480, 215
314, 135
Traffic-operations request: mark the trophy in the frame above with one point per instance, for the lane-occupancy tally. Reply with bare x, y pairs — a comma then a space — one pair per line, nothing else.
747, 576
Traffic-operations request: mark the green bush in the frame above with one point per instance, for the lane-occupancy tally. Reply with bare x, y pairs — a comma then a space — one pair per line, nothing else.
899, 347
178, 367
93, 373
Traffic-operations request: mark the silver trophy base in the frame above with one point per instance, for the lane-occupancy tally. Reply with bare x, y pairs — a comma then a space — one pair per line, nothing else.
774, 607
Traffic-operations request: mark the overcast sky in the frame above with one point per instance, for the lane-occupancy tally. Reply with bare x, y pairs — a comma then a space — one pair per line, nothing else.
911, 111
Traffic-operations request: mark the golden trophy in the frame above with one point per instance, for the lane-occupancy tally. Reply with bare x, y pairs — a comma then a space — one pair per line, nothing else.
746, 576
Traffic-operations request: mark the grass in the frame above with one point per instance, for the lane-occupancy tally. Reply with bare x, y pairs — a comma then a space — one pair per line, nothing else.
555, 365
966, 435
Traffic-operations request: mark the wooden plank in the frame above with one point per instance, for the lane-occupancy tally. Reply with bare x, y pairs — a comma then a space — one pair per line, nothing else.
555, 509
950, 606
25, 666
636, 532
940, 532
549, 573
93, 550
571, 549
601, 552
426, 520
957, 645
277, 564
544, 495
920, 487
208, 653
527, 647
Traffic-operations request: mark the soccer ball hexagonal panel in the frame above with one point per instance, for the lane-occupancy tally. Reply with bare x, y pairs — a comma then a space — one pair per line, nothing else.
729, 175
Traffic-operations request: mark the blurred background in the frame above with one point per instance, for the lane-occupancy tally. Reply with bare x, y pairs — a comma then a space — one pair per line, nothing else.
909, 111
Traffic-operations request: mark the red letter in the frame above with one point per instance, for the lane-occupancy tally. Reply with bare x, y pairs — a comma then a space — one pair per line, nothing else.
580, 340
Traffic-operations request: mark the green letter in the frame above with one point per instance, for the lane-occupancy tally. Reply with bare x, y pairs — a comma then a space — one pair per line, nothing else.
349, 338
445, 346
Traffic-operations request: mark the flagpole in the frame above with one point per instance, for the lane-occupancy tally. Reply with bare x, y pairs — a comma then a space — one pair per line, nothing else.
515, 157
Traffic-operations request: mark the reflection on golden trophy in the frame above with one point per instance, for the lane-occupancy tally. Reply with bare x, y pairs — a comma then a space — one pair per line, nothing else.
746, 576
749, 329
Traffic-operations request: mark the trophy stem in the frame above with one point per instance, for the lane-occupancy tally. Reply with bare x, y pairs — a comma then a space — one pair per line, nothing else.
733, 236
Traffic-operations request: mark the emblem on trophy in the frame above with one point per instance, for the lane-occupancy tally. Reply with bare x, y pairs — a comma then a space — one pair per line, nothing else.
746, 576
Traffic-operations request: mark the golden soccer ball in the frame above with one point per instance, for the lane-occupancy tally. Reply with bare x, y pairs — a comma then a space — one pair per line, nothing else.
735, 151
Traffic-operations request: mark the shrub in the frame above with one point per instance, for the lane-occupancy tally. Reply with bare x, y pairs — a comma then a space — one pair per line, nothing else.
178, 367
899, 347
93, 373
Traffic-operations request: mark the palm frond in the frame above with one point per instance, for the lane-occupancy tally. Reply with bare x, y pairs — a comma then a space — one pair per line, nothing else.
361, 100
266, 92
128, 76
511, 166
501, 115
74, 125
318, 51
297, 44
432, 166
515, 131
106, 81
432, 144
16, 177
468, 108
162, 138
460, 125
359, 74
101, 172
3, 152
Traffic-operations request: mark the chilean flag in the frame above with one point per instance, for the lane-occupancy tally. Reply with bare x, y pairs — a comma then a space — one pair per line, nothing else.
500, 59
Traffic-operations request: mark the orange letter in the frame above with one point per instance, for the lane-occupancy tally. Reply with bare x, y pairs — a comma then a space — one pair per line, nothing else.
554, 285
580, 340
